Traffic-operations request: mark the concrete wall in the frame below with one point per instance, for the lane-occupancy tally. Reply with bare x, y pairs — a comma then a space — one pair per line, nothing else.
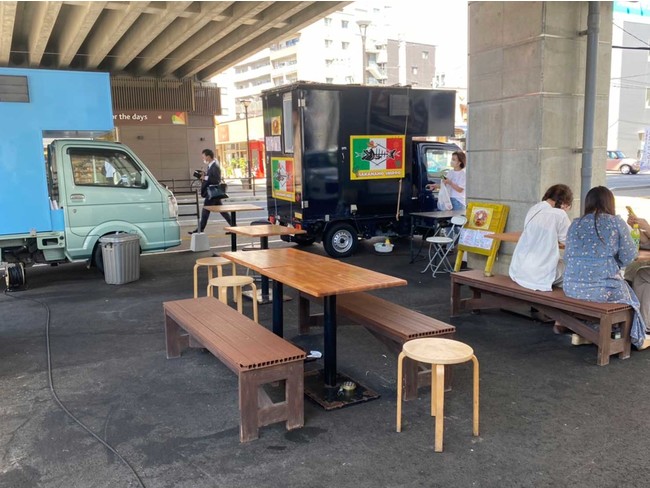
526, 95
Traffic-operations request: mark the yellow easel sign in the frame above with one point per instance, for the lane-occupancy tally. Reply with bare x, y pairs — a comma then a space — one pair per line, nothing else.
482, 218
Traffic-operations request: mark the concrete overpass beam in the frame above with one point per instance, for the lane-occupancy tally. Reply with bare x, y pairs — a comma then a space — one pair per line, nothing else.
7, 21
43, 18
78, 25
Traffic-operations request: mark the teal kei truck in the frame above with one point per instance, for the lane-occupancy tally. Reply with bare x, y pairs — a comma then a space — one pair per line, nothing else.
58, 201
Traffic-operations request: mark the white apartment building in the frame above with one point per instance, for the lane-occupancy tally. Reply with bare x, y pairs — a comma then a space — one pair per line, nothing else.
328, 51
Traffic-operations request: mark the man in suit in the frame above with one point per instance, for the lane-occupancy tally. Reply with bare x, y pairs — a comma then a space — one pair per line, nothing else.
211, 177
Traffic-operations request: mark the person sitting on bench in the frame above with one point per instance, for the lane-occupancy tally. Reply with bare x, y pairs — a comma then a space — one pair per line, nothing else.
536, 262
598, 246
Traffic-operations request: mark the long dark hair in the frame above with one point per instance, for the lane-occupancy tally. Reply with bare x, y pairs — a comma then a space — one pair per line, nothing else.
560, 194
599, 200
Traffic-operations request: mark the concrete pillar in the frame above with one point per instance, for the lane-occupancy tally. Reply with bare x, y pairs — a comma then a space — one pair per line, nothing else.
526, 103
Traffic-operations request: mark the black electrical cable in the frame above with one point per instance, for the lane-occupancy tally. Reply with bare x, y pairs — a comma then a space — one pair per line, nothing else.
56, 397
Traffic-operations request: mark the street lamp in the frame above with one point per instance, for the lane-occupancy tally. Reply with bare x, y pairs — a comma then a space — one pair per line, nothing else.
246, 103
363, 27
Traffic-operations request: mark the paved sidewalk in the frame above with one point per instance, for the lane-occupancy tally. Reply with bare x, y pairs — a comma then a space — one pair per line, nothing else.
549, 415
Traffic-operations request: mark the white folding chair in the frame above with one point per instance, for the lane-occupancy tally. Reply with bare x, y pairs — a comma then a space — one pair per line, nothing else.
441, 246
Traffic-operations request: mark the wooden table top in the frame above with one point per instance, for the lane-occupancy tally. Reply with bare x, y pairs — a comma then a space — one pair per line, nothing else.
644, 254
233, 207
316, 275
264, 230
440, 214
505, 236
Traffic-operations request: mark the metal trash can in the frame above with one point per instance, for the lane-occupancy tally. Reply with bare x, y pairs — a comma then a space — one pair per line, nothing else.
121, 255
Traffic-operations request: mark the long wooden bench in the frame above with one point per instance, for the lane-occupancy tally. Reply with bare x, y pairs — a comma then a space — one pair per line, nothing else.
254, 353
495, 292
391, 323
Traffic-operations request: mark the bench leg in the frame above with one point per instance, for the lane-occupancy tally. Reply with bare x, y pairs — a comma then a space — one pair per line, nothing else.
295, 395
172, 338
303, 315
455, 297
256, 409
604, 340
248, 407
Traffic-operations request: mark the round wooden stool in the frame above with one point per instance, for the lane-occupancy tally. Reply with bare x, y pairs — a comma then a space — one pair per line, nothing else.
211, 263
437, 352
237, 283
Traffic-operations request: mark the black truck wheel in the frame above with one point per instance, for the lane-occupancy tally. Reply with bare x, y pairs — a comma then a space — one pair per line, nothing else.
98, 258
340, 240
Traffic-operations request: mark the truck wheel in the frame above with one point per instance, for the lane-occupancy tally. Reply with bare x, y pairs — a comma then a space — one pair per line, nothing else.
340, 240
15, 277
98, 258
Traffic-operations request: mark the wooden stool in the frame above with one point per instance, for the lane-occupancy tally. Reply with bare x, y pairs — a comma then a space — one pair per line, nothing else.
237, 283
210, 263
437, 352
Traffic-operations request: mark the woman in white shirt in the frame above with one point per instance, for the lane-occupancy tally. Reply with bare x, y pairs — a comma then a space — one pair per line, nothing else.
455, 181
536, 262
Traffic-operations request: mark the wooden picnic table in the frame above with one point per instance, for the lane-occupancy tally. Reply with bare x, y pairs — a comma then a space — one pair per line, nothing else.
233, 208
264, 232
318, 276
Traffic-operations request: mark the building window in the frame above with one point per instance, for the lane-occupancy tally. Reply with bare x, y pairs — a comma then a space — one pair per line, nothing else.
414, 70
328, 42
425, 54
344, 24
345, 45
327, 21
329, 62
329, 80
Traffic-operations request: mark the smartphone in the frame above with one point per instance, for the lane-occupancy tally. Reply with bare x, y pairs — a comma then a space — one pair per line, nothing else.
630, 211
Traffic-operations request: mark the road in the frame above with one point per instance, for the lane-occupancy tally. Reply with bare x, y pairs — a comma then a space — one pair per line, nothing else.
637, 186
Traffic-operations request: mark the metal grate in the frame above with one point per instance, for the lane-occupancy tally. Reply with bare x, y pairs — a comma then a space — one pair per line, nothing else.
167, 95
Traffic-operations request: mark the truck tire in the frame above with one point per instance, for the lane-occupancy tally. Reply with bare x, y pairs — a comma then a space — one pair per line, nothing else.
98, 258
340, 240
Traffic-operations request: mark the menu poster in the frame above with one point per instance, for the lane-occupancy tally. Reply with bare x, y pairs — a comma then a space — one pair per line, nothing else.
475, 238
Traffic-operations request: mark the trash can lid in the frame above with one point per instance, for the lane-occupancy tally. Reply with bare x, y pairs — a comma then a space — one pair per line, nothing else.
121, 237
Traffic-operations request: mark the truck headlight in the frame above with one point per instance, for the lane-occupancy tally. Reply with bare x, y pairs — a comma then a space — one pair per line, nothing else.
172, 206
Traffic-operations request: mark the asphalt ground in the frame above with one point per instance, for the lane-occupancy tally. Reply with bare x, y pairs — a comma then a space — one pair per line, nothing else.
549, 416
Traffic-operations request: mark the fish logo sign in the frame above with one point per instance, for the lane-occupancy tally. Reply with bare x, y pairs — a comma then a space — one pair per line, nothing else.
377, 157
283, 179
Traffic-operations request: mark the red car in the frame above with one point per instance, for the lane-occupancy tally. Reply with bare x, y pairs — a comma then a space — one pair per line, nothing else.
616, 161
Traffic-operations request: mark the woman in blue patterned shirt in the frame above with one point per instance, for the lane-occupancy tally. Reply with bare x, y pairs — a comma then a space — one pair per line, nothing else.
598, 247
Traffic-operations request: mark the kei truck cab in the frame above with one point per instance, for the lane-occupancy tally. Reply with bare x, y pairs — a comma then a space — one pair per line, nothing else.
57, 202
347, 161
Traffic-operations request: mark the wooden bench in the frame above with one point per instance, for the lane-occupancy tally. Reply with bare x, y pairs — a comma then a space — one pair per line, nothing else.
391, 323
254, 353
501, 292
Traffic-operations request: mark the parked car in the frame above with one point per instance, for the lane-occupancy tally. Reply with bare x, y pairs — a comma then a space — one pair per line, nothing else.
616, 161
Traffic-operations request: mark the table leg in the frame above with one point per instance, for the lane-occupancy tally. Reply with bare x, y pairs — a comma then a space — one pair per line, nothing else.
278, 319
233, 236
329, 348
264, 244
411, 245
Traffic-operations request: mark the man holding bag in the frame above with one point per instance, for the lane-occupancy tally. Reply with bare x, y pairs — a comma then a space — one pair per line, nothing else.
211, 177
454, 181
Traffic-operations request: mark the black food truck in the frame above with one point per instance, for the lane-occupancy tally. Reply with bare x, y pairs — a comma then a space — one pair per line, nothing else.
345, 162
